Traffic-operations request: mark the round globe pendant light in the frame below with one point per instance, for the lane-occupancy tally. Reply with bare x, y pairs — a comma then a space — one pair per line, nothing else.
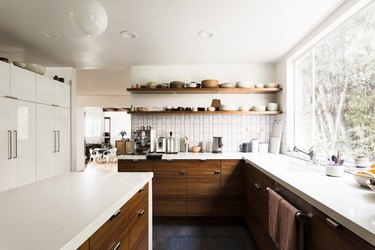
89, 17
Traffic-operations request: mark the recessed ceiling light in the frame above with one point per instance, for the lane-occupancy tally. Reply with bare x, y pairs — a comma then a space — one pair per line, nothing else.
129, 34
51, 35
206, 33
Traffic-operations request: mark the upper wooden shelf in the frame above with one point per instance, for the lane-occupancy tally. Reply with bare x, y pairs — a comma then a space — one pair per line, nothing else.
206, 112
205, 91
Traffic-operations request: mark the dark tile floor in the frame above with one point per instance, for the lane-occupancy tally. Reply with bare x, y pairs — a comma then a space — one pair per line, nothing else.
201, 237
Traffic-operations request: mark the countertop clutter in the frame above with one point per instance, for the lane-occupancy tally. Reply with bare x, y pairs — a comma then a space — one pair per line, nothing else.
63, 211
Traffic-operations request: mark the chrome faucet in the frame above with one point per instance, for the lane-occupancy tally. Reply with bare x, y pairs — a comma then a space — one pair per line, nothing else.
311, 153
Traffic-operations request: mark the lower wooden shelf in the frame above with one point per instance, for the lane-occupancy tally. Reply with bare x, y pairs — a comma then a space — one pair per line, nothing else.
205, 113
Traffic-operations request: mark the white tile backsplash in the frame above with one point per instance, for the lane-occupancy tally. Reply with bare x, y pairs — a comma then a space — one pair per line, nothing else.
235, 129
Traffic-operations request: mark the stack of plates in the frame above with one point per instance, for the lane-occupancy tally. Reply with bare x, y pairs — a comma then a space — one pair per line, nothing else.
228, 108
259, 108
271, 85
272, 106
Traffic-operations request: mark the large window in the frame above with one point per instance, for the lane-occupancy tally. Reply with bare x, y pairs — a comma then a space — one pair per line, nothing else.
335, 90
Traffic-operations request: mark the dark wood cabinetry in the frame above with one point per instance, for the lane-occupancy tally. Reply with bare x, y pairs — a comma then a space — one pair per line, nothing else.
256, 206
231, 195
170, 188
203, 188
325, 233
135, 166
126, 229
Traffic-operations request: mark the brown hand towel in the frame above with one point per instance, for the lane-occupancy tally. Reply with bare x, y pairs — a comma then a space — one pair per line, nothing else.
273, 215
287, 226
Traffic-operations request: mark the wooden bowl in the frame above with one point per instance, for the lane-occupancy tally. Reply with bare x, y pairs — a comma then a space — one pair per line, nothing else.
195, 149
210, 83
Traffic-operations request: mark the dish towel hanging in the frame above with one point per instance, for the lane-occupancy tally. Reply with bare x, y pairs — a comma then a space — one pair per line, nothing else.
282, 223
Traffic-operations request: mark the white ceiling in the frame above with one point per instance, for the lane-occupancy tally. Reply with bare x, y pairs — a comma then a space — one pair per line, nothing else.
247, 31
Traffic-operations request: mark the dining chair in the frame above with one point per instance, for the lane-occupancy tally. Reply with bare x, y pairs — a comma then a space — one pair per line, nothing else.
107, 155
95, 155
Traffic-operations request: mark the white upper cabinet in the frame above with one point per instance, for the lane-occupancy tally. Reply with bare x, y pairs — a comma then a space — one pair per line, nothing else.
22, 84
52, 92
4, 79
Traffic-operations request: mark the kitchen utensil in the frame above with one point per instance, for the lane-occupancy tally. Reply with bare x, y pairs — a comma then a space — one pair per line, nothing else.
161, 145
334, 171
195, 149
361, 162
216, 103
259, 85
171, 144
203, 146
228, 108
210, 83
176, 84
274, 147
227, 85
271, 85
217, 145
263, 148
245, 147
244, 84
254, 145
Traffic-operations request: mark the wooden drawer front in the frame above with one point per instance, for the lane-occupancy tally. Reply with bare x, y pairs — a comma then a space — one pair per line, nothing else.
134, 166
169, 206
108, 235
203, 178
139, 202
231, 177
170, 166
323, 235
210, 206
138, 235
259, 181
85, 245
169, 179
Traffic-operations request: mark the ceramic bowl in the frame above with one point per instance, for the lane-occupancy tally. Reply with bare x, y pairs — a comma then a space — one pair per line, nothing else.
361, 162
228, 108
259, 85
272, 107
195, 149
244, 84
244, 108
227, 85
259, 108
176, 84
191, 85
361, 179
271, 85
210, 83
211, 109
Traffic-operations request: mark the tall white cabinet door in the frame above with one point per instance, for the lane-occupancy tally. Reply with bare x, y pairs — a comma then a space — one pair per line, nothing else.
7, 163
45, 142
24, 141
4, 79
62, 94
63, 140
45, 90
22, 84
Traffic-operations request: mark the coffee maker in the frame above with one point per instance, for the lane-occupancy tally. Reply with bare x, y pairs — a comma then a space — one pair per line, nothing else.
145, 140
217, 144
161, 146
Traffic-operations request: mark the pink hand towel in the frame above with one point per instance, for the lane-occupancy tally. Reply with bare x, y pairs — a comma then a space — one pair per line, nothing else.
288, 233
273, 215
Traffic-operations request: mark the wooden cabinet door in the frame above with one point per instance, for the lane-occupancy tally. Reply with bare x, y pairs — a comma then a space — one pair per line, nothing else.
325, 233
203, 188
231, 200
135, 166
169, 188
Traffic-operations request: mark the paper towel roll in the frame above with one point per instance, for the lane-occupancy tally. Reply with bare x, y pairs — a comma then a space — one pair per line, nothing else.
274, 145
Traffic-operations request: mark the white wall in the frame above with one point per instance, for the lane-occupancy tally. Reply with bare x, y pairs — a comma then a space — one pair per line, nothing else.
119, 101
95, 113
80, 139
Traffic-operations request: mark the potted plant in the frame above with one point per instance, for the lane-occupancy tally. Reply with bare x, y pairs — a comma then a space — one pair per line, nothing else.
122, 133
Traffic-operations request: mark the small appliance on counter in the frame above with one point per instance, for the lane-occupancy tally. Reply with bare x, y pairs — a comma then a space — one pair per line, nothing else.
171, 144
161, 146
217, 145
144, 139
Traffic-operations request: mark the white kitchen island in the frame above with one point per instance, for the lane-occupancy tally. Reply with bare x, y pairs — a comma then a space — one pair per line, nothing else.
62, 212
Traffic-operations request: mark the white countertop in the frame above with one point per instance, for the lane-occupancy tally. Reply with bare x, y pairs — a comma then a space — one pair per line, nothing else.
63, 211
193, 156
341, 198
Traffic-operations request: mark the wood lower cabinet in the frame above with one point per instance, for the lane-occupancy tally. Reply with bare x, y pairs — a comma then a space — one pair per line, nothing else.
256, 206
169, 194
203, 188
126, 229
231, 182
325, 233
135, 166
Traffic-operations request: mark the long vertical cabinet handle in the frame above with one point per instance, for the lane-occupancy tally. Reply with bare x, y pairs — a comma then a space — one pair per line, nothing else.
58, 140
15, 144
54, 141
10, 144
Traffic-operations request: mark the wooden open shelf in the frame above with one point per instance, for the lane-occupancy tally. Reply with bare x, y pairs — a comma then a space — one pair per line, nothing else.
205, 91
206, 113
